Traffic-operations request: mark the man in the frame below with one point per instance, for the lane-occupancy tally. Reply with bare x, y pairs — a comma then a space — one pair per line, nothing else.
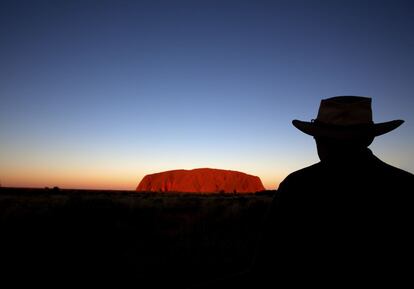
346, 219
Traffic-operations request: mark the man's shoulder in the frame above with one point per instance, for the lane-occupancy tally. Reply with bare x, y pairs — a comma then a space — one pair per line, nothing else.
302, 175
373, 172
392, 171
307, 171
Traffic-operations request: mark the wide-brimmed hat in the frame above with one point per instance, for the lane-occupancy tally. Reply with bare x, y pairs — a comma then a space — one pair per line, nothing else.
345, 117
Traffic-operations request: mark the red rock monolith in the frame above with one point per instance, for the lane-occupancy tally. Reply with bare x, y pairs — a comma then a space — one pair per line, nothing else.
201, 181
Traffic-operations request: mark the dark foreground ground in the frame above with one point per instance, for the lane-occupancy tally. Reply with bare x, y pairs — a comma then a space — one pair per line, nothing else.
56, 237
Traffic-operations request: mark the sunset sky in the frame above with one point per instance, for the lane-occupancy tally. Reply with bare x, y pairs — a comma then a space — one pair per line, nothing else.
96, 94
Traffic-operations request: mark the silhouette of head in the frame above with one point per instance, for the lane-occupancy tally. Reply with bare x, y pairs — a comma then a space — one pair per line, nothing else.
335, 149
344, 126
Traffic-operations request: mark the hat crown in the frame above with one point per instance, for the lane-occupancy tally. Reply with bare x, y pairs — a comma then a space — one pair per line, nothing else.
345, 110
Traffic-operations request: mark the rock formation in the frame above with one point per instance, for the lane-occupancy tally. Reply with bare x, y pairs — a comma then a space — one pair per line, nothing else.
201, 181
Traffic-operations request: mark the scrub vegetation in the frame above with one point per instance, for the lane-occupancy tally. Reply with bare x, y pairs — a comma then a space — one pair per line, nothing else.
186, 238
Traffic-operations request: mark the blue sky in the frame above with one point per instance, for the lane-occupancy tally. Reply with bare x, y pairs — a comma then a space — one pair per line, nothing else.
96, 94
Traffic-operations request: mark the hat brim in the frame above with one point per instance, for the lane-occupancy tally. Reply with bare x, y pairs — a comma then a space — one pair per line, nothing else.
346, 132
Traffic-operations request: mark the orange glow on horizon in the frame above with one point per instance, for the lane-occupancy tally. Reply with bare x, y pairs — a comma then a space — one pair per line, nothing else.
92, 183
105, 177
87, 186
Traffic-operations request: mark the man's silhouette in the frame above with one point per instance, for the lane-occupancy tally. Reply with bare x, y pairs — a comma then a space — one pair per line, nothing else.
346, 219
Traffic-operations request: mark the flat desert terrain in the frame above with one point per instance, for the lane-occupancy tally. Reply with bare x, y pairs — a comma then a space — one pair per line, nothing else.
144, 238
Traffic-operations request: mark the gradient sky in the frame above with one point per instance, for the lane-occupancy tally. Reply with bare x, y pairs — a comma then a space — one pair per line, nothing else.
96, 94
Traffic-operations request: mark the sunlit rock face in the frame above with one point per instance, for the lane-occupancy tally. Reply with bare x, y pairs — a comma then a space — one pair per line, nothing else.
201, 181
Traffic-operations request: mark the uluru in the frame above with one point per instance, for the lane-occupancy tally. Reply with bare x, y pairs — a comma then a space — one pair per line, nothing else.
204, 180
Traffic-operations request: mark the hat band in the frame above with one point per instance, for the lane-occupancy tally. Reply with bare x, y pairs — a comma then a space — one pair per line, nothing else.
359, 126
